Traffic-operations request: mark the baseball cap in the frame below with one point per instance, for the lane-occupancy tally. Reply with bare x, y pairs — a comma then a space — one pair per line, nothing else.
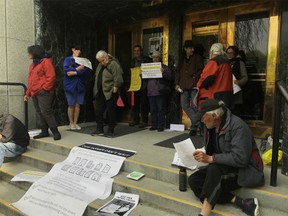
209, 105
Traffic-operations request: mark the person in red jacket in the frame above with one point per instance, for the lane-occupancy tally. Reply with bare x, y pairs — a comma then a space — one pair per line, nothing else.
216, 79
40, 88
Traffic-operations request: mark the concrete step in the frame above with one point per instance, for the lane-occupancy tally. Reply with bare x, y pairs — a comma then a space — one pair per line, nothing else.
270, 196
150, 190
161, 173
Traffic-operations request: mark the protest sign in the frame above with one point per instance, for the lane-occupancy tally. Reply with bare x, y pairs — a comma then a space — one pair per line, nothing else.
135, 83
121, 205
151, 70
72, 184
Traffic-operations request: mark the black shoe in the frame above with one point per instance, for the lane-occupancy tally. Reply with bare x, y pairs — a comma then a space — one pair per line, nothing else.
152, 128
98, 131
43, 134
160, 129
193, 132
131, 124
251, 207
55, 132
143, 125
109, 133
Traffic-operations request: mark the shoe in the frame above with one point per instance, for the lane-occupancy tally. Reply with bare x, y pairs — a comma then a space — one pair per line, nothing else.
98, 131
77, 127
55, 132
160, 129
251, 207
109, 133
72, 127
152, 128
143, 125
131, 124
44, 133
193, 132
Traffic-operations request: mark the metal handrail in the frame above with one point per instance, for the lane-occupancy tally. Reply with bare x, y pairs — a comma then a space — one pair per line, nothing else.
25, 102
280, 91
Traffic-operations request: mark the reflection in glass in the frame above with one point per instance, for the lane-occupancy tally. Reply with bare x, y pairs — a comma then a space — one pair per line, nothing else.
251, 36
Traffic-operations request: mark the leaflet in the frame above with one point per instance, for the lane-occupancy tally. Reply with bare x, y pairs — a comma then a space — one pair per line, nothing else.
122, 204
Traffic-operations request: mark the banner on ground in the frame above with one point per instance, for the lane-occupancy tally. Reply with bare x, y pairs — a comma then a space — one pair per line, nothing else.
84, 176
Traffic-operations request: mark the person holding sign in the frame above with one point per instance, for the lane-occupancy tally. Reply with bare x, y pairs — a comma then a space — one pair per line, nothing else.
232, 159
141, 103
157, 91
74, 86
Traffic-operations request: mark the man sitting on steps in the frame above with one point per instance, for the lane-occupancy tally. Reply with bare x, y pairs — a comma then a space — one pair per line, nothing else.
14, 137
233, 160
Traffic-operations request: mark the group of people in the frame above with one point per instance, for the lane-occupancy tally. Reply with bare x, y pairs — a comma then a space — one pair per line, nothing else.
232, 157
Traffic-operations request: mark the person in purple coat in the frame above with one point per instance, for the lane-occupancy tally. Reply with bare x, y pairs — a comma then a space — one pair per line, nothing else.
157, 91
74, 86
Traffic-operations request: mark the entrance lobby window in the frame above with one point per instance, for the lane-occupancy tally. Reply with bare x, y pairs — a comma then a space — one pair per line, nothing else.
251, 36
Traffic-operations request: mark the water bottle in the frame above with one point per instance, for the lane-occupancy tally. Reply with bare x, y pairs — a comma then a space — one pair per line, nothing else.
182, 179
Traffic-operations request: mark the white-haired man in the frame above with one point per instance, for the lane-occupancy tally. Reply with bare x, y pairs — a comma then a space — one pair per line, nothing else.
232, 158
108, 79
216, 80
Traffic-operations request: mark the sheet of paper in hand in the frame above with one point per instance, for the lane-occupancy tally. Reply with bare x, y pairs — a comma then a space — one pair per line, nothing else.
185, 150
151, 70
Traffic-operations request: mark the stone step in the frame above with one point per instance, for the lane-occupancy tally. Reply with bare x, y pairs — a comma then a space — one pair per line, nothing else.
267, 193
150, 191
11, 193
161, 173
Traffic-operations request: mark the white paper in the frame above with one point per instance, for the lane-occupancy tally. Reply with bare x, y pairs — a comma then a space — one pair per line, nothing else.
33, 133
83, 61
71, 185
177, 162
185, 150
236, 88
122, 204
177, 127
29, 176
151, 70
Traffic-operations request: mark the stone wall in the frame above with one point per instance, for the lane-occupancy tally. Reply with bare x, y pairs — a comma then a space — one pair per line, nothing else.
16, 34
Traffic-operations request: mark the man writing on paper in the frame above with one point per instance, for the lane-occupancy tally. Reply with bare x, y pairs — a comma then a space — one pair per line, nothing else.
14, 137
233, 160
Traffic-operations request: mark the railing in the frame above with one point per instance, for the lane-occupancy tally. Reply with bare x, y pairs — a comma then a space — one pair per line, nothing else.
280, 91
25, 102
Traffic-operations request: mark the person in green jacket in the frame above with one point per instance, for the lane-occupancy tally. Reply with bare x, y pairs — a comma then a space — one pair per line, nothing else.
108, 80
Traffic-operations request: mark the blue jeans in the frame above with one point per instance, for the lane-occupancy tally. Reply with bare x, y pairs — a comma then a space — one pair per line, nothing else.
157, 109
10, 150
186, 97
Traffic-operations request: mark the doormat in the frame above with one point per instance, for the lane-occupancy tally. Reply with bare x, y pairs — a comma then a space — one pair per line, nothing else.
197, 141
120, 130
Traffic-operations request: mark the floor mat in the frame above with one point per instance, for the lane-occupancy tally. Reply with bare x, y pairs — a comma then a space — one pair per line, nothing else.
120, 130
197, 141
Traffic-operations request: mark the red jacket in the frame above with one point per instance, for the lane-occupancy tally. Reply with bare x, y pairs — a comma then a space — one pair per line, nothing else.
216, 81
41, 76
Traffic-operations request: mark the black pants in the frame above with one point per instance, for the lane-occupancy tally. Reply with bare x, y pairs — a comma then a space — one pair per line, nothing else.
141, 102
214, 183
45, 117
158, 109
110, 106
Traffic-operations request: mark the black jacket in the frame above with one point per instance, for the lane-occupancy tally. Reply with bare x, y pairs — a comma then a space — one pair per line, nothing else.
13, 130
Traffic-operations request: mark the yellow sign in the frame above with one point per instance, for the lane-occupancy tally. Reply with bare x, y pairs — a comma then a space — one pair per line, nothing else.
135, 83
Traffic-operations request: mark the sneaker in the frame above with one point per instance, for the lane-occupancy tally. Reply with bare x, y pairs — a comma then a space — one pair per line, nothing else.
41, 135
152, 128
193, 132
251, 207
72, 127
99, 132
131, 124
77, 127
109, 133
143, 125
160, 129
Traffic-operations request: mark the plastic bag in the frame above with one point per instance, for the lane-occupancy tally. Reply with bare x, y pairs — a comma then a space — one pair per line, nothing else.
267, 157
